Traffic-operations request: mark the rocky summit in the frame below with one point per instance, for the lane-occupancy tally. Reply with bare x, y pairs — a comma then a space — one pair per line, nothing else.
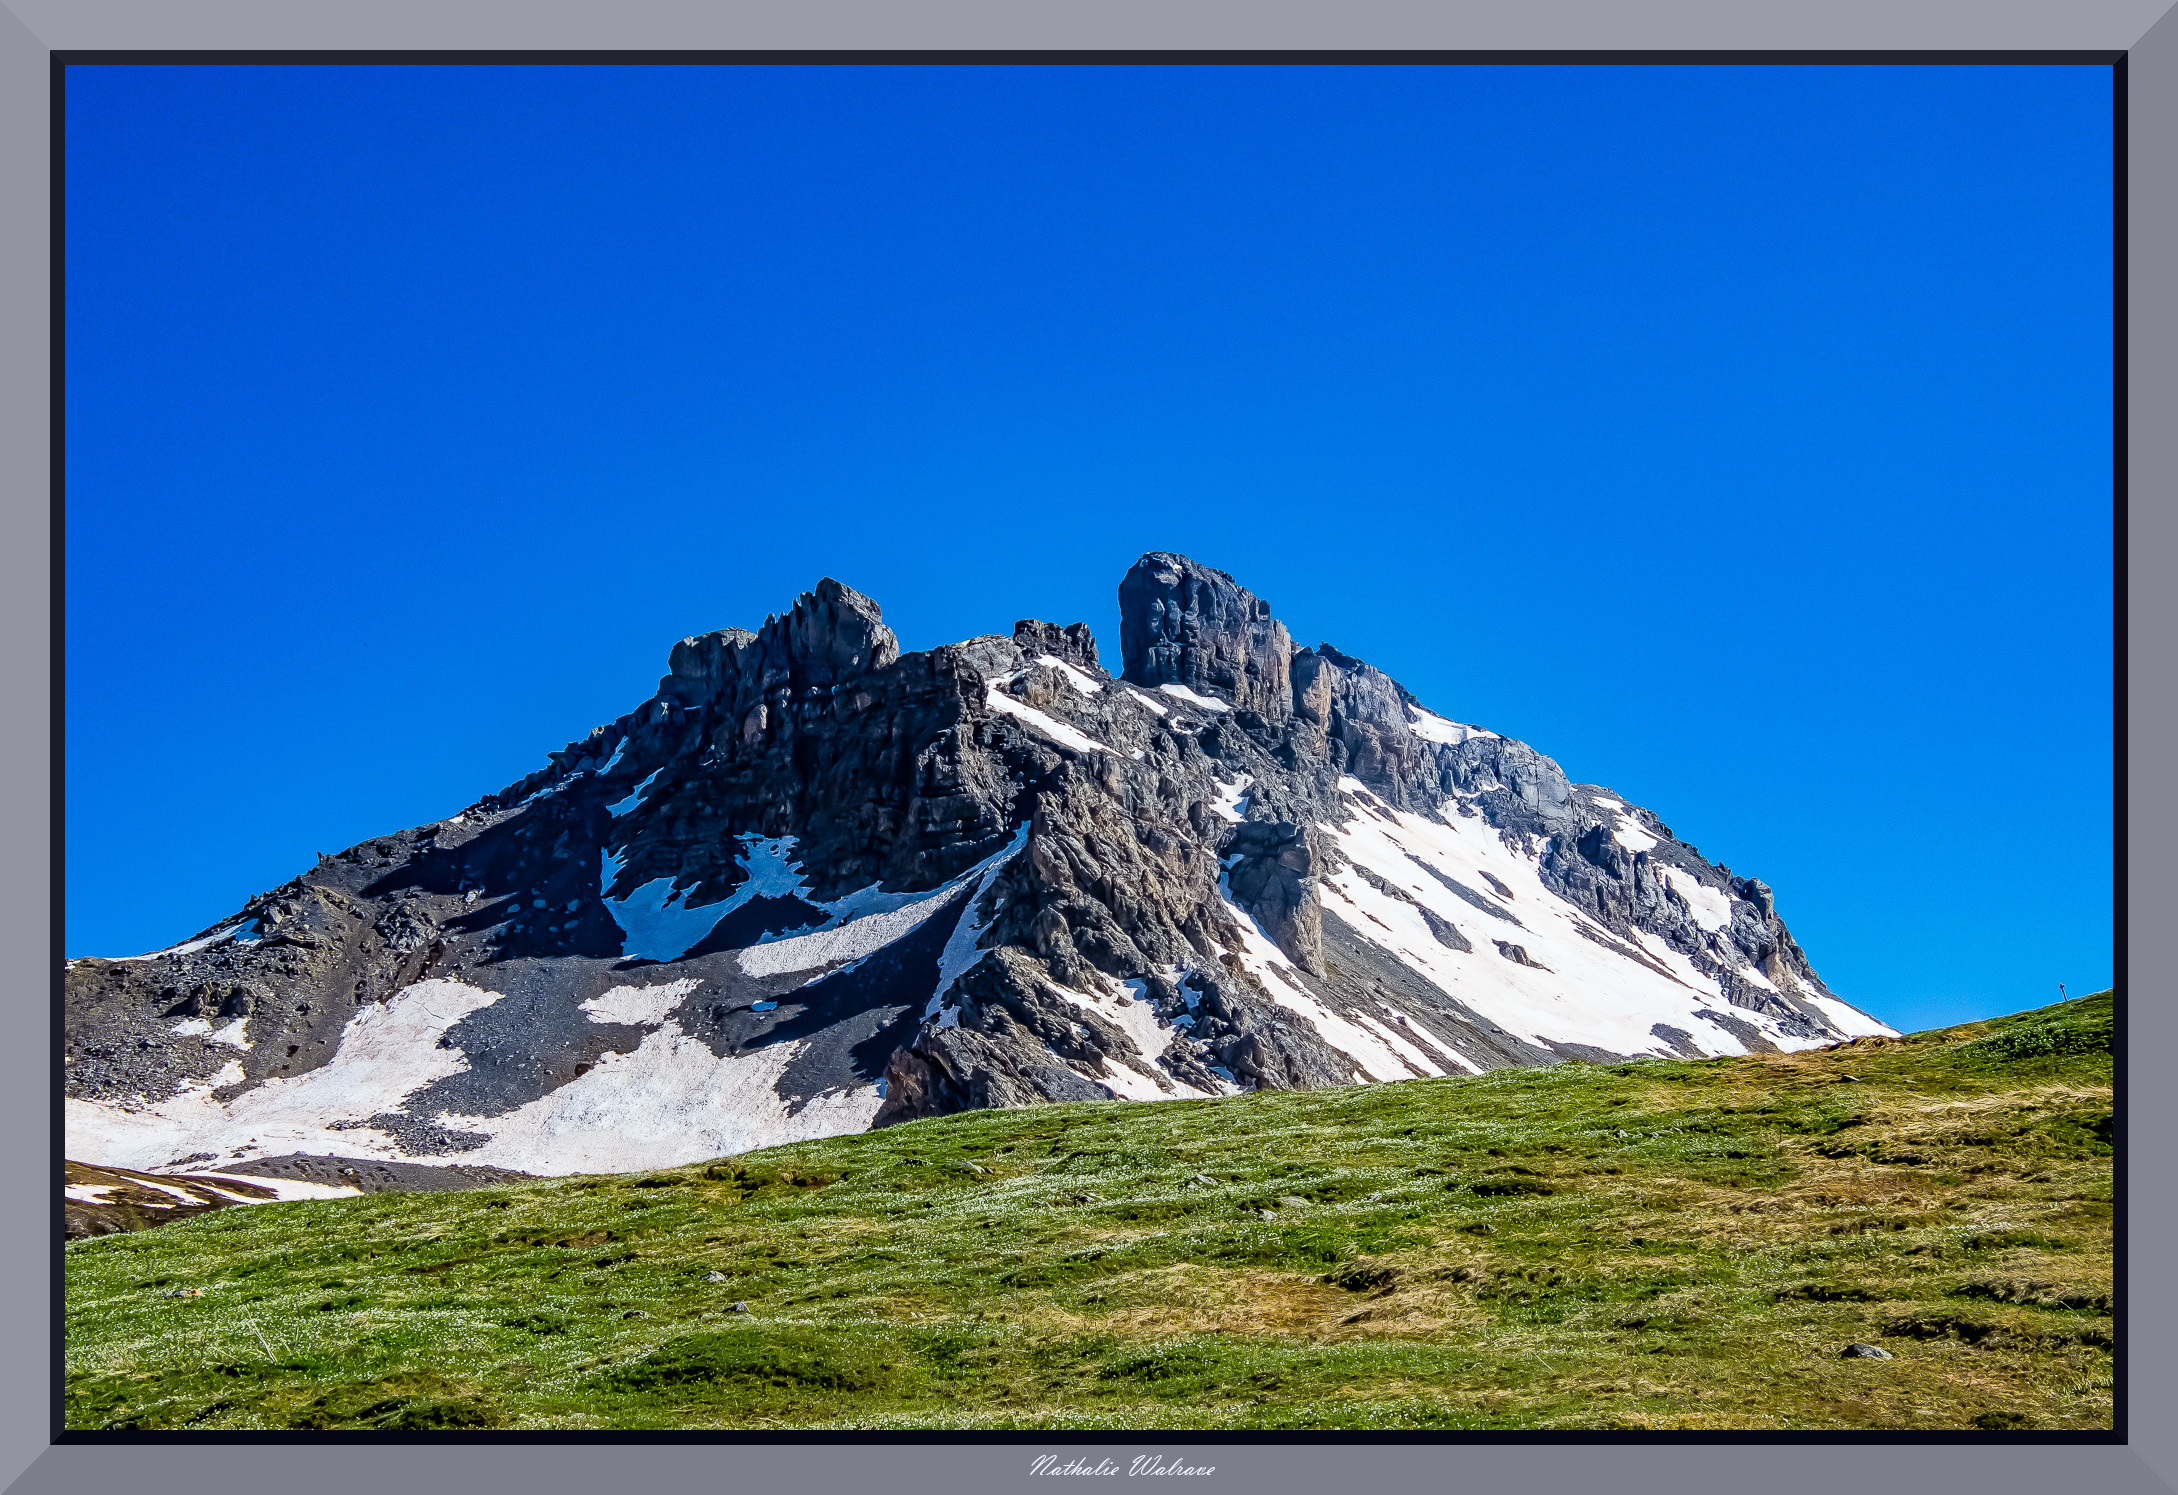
815, 885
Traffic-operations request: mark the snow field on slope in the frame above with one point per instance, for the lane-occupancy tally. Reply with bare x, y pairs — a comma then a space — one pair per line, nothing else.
1126, 1008
1378, 1059
671, 1101
234, 1035
1847, 1019
868, 919
995, 696
1408, 1027
242, 932
823, 948
1434, 728
672, 1098
283, 1189
1081, 680
1194, 698
620, 807
658, 922
1712, 907
1405, 1047
180, 1195
386, 1051
960, 954
639, 1006
1588, 994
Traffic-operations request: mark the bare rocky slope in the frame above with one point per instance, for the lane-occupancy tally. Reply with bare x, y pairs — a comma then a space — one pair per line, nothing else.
814, 885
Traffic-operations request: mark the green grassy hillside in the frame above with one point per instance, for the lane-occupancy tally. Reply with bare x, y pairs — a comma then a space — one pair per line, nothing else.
1652, 1245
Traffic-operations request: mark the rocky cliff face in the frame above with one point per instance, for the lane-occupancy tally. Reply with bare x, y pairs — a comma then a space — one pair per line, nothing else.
815, 884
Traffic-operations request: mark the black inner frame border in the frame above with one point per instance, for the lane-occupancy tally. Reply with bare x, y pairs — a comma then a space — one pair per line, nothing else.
2116, 60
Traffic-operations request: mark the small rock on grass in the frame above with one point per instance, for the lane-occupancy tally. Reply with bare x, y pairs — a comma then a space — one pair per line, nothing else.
714, 1276
1202, 1180
737, 1307
1292, 1201
635, 1313
1864, 1352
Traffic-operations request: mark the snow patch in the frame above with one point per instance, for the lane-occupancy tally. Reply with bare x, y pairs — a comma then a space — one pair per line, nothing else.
641, 1006
1587, 994
656, 918
387, 1050
283, 1189
1050, 727
1434, 728
241, 932
1423, 1035
1126, 1009
1712, 907
850, 940
960, 953
1230, 796
868, 919
1630, 835
621, 807
180, 1195
1260, 955
670, 1102
1401, 1044
1849, 1020
1207, 703
1081, 680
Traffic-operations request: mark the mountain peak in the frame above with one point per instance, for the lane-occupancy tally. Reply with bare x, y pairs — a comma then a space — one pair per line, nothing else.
831, 635
1186, 624
815, 885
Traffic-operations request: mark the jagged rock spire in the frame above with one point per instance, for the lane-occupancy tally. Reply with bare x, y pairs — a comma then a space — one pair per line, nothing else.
1186, 624
829, 636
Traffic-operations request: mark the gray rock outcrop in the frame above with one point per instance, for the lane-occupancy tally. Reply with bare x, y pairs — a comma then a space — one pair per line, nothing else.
1098, 867
1185, 624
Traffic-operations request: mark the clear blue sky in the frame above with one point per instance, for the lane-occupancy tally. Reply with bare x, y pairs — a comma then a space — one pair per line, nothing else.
1740, 437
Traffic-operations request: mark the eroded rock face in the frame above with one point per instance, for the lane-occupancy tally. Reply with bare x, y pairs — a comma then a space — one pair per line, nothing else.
815, 884
1271, 873
1185, 624
1074, 644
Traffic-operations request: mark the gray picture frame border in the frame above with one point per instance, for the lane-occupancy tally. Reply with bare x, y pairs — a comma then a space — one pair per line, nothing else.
32, 30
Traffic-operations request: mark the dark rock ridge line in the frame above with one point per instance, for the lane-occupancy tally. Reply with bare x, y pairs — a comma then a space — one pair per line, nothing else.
1122, 882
